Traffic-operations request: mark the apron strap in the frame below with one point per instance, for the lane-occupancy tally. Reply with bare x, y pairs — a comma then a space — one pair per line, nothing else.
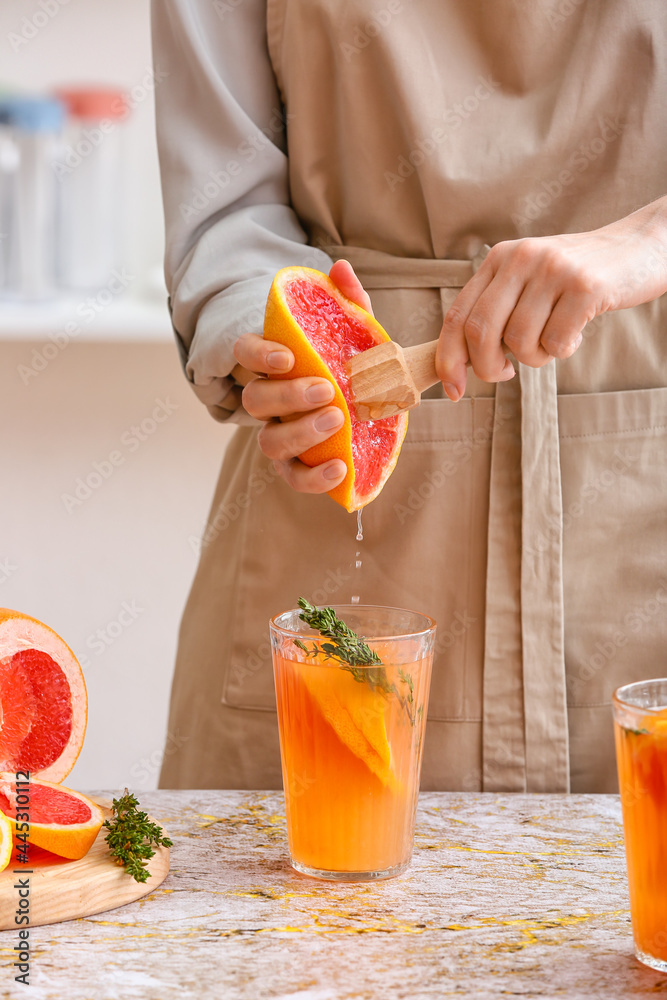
544, 686
525, 740
503, 728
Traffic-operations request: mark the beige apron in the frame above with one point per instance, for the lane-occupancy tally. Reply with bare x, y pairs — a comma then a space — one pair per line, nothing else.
529, 518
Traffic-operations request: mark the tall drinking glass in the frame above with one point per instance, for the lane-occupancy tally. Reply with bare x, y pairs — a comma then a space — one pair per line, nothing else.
351, 741
640, 723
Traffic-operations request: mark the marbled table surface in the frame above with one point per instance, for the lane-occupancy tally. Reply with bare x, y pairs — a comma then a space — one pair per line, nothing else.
507, 896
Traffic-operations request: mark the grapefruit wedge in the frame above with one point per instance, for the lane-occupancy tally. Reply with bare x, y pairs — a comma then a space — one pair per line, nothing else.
43, 701
356, 713
60, 820
306, 312
6, 842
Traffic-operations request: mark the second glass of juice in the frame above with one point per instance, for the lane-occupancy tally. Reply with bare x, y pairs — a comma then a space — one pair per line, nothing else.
640, 717
351, 741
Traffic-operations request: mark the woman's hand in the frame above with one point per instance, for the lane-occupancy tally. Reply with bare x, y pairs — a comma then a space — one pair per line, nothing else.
534, 297
295, 411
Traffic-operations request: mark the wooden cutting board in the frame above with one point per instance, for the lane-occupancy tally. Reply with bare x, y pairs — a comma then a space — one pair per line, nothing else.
63, 890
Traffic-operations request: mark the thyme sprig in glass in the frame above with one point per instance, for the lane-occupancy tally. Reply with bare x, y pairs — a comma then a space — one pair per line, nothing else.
353, 654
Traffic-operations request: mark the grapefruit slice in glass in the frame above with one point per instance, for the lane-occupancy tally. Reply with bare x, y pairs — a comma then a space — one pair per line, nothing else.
355, 713
60, 820
43, 701
307, 312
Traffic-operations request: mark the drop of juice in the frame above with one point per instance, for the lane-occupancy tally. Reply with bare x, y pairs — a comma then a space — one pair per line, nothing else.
357, 563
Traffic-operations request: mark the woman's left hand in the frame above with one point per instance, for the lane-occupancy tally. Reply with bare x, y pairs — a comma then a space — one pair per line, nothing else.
534, 296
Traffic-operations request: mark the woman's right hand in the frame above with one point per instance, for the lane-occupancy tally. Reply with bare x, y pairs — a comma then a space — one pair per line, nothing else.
295, 413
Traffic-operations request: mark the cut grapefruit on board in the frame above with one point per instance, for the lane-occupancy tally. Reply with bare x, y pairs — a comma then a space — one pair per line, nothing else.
60, 820
307, 312
43, 701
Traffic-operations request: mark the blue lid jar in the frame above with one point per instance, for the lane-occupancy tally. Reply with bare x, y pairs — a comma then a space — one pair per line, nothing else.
32, 114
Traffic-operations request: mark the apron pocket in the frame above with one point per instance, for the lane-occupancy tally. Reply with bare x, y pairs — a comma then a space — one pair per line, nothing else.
614, 468
424, 548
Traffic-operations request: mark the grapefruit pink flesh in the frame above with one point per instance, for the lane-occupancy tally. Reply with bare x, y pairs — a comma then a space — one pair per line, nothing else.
36, 711
47, 805
17, 709
337, 337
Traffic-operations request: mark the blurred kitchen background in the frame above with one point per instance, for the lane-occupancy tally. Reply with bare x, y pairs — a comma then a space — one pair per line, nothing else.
108, 461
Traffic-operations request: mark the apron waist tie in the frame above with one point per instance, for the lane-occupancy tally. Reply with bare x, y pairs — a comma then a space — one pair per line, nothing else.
376, 269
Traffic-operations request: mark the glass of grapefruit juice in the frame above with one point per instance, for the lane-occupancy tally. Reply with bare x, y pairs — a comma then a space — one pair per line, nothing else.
351, 740
640, 723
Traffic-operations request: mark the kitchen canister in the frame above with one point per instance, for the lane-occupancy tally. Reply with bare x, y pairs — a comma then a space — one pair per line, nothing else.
9, 164
89, 177
30, 138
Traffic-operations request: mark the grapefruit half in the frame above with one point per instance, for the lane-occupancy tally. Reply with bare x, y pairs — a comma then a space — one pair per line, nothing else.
60, 820
43, 700
306, 312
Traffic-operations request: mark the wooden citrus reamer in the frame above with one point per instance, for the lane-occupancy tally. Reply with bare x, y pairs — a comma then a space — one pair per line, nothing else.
385, 380
388, 379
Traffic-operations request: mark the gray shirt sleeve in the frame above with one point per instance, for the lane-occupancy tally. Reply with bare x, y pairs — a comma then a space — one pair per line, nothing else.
223, 163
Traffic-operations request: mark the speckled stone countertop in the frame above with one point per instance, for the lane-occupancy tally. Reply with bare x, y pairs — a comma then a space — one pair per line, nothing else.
521, 895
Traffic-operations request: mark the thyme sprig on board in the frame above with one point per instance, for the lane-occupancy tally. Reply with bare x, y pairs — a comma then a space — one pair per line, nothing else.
132, 836
353, 655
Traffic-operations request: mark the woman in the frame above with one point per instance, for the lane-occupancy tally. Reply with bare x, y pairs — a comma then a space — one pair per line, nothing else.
525, 513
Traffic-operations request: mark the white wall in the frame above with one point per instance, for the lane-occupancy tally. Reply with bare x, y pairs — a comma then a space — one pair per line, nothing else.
128, 542
75, 565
